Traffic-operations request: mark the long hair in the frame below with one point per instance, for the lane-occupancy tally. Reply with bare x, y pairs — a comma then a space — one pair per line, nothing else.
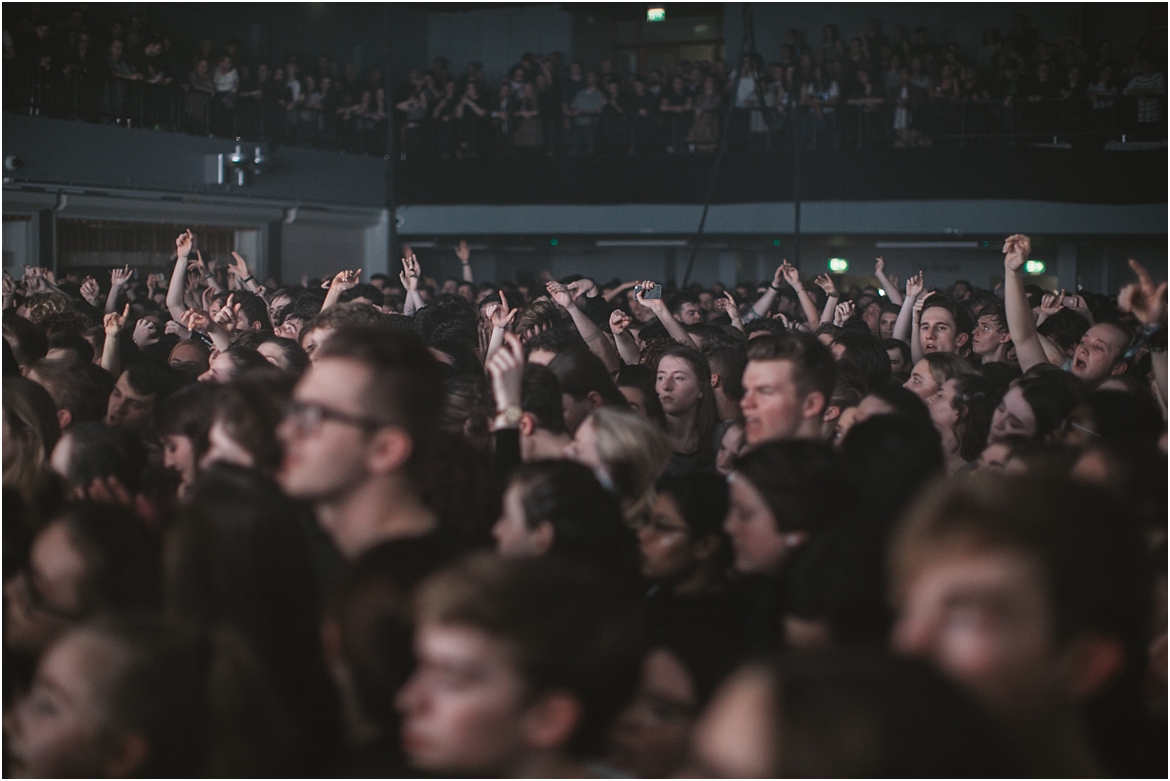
32, 421
635, 454
706, 414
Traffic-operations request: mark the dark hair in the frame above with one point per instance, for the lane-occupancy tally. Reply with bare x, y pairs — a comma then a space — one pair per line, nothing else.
1000, 374
121, 557
1052, 397
702, 501
891, 457
580, 372
250, 408
554, 340
294, 354
73, 388
766, 325
406, 385
540, 396
802, 483
153, 379
307, 305
239, 555
706, 415
900, 346
587, 522
813, 367
27, 340
728, 363
976, 399
369, 292
245, 359
682, 297
852, 714
641, 377
567, 631
964, 324
71, 340
1066, 328
254, 309
995, 310
188, 413
865, 351
101, 451
463, 359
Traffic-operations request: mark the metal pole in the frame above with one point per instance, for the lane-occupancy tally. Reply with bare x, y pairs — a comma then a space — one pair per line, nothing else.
391, 157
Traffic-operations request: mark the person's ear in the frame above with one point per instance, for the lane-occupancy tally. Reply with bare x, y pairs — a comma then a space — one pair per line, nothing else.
64, 418
527, 424
715, 380
813, 405
128, 754
1005, 338
595, 400
256, 326
1089, 664
961, 339
549, 722
543, 537
831, 414
1118, 369
389, 451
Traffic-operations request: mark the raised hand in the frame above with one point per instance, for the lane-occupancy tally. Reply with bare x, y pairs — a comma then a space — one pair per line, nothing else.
915, 286
842, 312
503, 316
560, 294
619, 321
1051, 303
463, 252
120, 276
90, 291
114, 322
9, 287
195, 320
826, 283
1016, 249
198, 265
920, 304
411, 271
184, 243
239, 268
345, 280
155, 282
1144, 299
506, 369
653, 304
879, 265
176, 328
790, 274
144, 333
581, 287
227, 317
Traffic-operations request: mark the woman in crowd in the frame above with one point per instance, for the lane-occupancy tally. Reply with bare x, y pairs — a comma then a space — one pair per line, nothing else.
684, 390
247, 414
929, 374
30, 432
182, 423
962, 412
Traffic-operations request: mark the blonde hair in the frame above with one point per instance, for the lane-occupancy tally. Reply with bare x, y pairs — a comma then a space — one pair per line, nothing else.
32, 419
635, 454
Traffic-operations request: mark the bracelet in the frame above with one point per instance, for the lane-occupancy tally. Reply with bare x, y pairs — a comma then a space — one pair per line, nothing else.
773, 287
248, 278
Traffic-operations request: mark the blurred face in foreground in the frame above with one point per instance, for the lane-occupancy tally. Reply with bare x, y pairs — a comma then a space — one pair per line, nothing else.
651, 737
735, 738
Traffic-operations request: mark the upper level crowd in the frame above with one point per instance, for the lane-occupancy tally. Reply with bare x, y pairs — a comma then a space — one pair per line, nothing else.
873, 87
582, 528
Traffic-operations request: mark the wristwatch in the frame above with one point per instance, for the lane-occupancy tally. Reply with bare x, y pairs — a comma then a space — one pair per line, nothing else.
508, 417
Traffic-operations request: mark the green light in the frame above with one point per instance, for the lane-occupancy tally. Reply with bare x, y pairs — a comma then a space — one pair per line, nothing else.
553, 242
775, 242
655, 14
838, 265
1034, 267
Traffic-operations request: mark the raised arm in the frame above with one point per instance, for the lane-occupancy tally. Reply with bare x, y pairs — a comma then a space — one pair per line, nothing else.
1021, 322
892, 292
409, 276
111, 350
175, 293
727, 304
826, 283
792, 277
118, 279
501, 317
658, 307
914, 286
240, 271
617, 291
342, 281
627, 346
1147, 302
463, 252
594, 337
764, 303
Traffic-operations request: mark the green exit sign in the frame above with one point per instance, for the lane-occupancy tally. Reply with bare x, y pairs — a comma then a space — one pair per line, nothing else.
655, 14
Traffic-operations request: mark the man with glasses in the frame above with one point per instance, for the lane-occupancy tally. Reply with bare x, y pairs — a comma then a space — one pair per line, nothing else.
357, 437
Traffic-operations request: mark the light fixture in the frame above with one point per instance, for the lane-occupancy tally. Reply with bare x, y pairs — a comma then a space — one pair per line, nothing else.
838, 265
1034, 267
656, 14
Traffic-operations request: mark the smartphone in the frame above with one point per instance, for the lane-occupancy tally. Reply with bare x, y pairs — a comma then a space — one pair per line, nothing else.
1070, 302
655, 292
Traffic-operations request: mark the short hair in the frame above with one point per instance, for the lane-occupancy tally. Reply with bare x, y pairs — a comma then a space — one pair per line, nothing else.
554, 340
946, 366
766, 325
865, 352
813, 367
73, 389
581, 372
566, 629
406, 383
640, 376
702, 499
366, 291
998, 314
905, 402
1066, 328
153, 379
254, 309
72, 340
540, 396
307, 305
964, 324
100, 451
27, 340
538, 315
900, 346
802, 482
728, 363
682, 297
340, 315
245, 359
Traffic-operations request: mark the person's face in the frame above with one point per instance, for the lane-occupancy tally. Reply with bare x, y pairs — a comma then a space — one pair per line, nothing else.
690, 314
936, 331
127, 408
464, 705
921, 381
772, 405
58, 730
222, 449
987, 337
759, 546
886, 324
729, 447
179, 456
276, 305
46, 598
314, 339
220, 370
1013, 416
274, 355
735, 737
677, 386
1096, 356
872, 315
651, 737
668, 551
942, 409
291, 329
897, 362
514, 539
329, 459
583, 448
982, 616
636, 399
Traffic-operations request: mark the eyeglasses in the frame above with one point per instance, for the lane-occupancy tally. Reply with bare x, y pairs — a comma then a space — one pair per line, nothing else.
309, 417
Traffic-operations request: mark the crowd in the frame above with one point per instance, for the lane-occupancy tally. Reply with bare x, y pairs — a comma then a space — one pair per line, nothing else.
903, 89
582, 528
